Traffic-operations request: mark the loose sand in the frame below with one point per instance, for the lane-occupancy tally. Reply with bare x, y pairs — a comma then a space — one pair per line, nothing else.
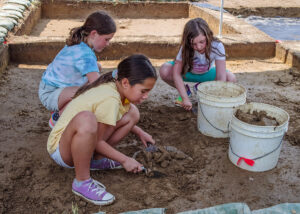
30, 182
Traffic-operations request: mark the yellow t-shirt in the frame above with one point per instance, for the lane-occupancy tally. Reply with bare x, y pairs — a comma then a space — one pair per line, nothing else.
104, 101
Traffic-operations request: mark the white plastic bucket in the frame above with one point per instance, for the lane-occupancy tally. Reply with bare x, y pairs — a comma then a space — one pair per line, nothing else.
216, 101
257, 145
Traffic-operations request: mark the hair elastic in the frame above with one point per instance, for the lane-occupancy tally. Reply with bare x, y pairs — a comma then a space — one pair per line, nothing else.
115, 74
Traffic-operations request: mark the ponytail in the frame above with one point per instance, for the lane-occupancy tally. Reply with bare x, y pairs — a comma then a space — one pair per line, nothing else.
105, 78
136, 68
99, 21
76, 36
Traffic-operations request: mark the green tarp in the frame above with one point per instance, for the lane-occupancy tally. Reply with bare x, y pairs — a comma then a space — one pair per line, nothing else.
231, 208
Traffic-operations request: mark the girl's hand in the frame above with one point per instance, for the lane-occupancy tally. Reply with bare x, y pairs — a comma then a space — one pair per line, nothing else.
186, 104
145, 137
131, 165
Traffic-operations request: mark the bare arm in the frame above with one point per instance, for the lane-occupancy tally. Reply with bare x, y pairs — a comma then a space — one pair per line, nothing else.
220, 70
103, 148
92, 76
144, 136
186, 103
179, 84
99, 66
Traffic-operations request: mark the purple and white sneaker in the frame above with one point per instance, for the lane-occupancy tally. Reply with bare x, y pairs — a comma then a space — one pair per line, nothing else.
105, 163
92, 191
195, 87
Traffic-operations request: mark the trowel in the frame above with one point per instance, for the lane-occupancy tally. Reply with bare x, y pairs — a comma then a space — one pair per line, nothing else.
152, 173
150, 147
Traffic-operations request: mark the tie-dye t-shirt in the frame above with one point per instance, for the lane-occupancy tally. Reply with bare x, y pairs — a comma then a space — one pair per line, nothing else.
200, 64
70, 66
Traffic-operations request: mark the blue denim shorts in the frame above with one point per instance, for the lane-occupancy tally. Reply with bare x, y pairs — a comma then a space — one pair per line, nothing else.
49, 96
58, 159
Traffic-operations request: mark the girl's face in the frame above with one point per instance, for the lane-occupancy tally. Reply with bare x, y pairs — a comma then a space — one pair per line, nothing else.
99, 42
137, 93
199, 43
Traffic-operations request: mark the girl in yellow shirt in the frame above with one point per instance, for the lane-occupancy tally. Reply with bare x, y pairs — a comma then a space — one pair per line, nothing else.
101, 114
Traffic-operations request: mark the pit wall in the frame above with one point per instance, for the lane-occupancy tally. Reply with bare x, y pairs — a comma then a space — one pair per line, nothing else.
63, 9
211, 19
4, 58
266, 11
241, 40
31, 18
289, 53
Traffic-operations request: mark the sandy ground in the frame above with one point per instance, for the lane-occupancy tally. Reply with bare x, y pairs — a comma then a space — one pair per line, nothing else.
126, 27
30, 182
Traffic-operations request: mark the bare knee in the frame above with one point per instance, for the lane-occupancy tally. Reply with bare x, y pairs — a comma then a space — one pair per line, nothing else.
230, 77
131, 117
86, 123
66, 96
134, 114
164, 71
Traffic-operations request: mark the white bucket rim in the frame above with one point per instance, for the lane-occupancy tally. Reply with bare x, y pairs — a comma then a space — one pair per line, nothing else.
202, 94
258, 126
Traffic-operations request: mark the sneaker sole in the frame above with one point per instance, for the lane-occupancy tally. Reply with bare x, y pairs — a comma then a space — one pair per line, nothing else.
51, 125
118, 167
102, 203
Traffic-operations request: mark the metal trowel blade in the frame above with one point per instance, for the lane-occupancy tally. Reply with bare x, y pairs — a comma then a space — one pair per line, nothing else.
150, 148
152, 173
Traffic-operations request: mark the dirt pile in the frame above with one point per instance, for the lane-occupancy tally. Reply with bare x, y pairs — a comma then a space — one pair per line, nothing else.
30, 182
259, 118
165, 159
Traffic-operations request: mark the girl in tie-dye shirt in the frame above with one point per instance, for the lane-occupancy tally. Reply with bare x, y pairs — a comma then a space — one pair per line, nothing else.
201, 58
76, 64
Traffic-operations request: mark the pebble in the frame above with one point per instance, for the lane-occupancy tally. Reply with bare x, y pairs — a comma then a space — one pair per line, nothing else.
82, 203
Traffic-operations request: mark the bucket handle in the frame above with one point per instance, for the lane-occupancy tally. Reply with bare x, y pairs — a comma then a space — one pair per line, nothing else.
251, 162
225, 132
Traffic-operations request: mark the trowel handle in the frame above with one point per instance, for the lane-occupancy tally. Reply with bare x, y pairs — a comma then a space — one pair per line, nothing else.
144, 169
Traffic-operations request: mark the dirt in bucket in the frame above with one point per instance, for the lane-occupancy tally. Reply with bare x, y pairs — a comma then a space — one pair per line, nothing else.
259, 118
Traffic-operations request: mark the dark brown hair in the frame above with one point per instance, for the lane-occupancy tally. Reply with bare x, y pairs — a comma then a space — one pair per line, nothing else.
136, 68
99, 21
192, 29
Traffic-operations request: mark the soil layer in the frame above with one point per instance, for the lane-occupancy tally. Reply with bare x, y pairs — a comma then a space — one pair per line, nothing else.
30, 182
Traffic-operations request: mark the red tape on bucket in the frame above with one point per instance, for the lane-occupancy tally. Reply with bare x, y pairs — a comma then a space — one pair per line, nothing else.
250, 162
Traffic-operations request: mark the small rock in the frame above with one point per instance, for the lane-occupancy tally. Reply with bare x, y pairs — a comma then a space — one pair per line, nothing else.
164, 164
179, 155
82, 203
28, 172
192, 198
210, 173
147, 201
